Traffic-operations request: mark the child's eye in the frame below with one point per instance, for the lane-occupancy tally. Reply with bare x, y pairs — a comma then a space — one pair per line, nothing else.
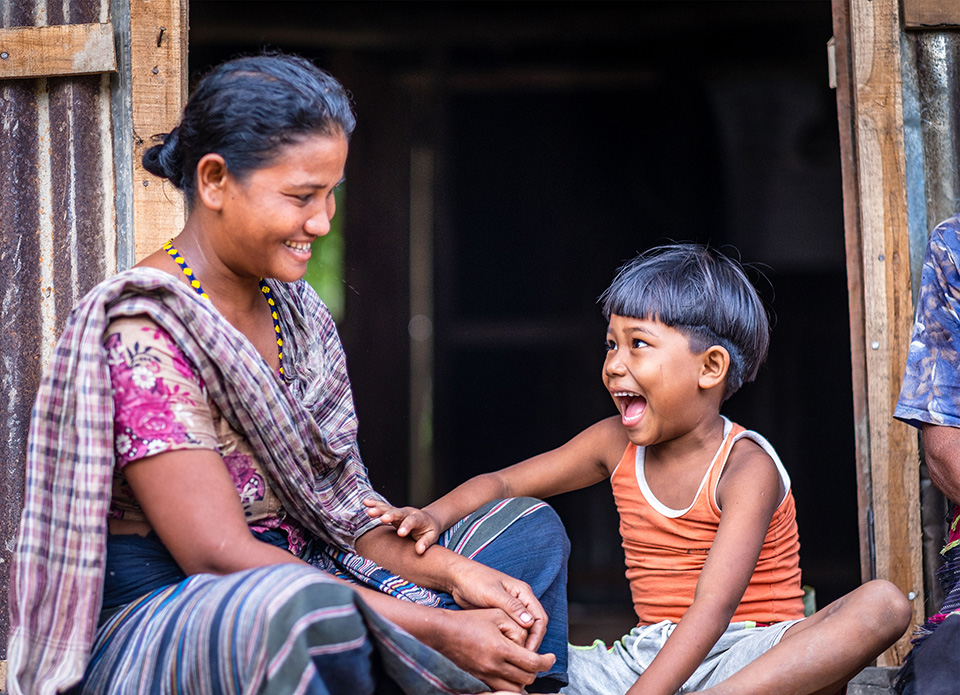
637, 343
609, 345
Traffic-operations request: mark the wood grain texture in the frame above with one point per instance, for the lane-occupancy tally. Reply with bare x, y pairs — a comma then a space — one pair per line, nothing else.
887, 300
854, 253
57, 50
918, 14
158, 48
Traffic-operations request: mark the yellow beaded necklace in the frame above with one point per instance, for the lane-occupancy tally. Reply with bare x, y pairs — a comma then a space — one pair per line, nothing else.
195, 284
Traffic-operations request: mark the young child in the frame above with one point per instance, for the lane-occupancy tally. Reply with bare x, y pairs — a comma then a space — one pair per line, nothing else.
706, 512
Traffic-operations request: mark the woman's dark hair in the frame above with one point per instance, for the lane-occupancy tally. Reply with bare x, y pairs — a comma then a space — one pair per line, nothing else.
245, 110
701, 293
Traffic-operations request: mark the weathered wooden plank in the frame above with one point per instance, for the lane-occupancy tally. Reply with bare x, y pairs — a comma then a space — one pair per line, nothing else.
158, 56
57, 50
854, 244
888, 304
918, 14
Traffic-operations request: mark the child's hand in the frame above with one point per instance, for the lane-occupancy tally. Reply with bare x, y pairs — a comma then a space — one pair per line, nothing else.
409, 521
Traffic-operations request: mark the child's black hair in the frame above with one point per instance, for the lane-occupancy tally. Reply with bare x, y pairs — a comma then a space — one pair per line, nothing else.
246, 110
702, 293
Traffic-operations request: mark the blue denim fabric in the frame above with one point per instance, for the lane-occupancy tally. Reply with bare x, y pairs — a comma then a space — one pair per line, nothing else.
535, 549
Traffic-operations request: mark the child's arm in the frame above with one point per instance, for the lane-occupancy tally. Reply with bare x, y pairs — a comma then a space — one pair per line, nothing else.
749, 492
419, 524
586, 459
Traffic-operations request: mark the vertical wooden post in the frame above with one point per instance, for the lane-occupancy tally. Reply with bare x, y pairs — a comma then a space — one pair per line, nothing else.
882, 339
158, 59
854, 249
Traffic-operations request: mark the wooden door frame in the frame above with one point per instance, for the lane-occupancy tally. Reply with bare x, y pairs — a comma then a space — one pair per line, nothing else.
869, 81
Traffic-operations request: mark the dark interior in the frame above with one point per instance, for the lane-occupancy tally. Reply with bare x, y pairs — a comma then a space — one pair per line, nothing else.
565, 138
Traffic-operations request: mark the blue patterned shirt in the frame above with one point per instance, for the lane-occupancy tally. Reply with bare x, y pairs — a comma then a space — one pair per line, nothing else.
931, 383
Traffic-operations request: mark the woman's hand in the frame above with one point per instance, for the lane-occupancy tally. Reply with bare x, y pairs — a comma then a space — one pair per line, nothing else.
479, 586
419, 524
475, 641
487, 642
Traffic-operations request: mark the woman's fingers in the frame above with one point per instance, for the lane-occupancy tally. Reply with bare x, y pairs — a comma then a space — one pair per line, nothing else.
484, 643
526, 610
529, 613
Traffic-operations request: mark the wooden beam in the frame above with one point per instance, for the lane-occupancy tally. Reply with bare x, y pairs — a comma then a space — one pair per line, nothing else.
887, 298
158, 58
57, 50
919, 14
854, 252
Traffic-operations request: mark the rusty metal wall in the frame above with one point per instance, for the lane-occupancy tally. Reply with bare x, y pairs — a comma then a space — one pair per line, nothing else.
938, 80
57, 232
932, 133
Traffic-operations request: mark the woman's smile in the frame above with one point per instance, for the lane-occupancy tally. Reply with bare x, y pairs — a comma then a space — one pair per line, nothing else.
299, 247
286, 205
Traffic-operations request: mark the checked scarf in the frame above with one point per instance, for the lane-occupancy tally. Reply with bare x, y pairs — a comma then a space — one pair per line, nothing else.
303, 432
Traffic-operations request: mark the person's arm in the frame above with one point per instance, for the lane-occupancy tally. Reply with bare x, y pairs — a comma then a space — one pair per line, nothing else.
586, 459
749, 492
941, 450
930, 393
190, 501
470, 583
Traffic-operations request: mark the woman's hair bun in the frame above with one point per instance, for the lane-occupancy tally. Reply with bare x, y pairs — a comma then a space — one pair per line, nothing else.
164, 159
246, 110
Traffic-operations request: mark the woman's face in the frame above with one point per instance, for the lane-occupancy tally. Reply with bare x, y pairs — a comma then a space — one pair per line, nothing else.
273, 215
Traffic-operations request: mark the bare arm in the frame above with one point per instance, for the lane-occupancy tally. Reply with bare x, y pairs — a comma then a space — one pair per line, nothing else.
586, 459
941, 449
749, 492
472, 584
182, 492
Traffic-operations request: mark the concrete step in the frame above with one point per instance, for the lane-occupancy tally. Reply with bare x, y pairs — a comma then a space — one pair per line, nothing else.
873, 680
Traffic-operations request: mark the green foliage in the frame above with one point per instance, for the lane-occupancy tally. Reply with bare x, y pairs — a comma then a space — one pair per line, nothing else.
809, 600
325, 271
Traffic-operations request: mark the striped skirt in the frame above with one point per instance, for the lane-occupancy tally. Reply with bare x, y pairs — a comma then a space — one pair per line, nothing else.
282, 629
289, 629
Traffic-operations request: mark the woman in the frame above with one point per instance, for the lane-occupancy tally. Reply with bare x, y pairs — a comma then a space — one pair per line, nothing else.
193, 459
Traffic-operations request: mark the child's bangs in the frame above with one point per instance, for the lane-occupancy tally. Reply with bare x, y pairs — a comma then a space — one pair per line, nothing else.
660, 299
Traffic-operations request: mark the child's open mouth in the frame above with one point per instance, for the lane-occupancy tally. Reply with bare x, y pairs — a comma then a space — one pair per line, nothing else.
632, 406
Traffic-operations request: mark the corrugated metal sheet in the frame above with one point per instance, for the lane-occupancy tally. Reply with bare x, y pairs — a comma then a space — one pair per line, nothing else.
938, 77
58, 232
936, 167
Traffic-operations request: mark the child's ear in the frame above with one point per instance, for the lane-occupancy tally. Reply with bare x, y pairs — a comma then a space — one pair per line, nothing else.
714, 366
211, 176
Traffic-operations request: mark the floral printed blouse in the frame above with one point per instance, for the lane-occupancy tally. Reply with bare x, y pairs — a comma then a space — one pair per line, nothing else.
161, 405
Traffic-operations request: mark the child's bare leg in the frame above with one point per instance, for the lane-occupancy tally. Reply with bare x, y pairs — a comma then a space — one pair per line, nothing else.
823, 652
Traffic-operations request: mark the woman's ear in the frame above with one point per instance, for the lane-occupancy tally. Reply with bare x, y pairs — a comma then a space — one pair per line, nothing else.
211, 176
714, 366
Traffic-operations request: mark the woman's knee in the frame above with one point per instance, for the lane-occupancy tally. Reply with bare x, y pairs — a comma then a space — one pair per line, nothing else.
546, 528
296, 588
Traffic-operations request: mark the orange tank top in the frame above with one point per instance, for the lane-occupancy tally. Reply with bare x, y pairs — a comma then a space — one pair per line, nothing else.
665, 549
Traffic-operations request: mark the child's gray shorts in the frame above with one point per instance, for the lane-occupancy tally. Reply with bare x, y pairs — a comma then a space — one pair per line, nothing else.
597, 670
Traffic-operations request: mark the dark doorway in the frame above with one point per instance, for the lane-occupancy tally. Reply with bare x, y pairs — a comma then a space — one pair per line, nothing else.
563, 138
